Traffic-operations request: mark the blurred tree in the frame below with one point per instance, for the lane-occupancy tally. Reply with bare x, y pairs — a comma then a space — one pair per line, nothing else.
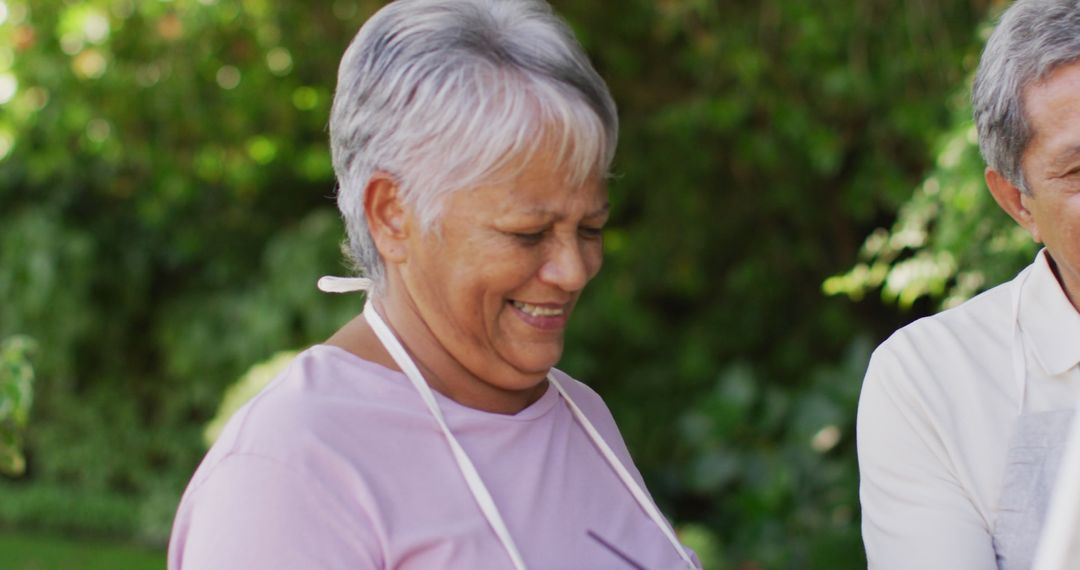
165, 207
16, 395
950, 239
162, 219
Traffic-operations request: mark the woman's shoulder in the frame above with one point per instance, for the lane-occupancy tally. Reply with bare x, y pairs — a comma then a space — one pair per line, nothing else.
590, 402
583, 394
284, 466
325, 375
594, 408
324, 392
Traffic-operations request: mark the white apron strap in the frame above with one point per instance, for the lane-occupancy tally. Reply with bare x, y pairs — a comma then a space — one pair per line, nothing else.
620, 469
472, 477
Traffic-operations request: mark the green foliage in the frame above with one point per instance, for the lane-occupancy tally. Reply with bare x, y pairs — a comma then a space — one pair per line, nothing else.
16, 395
23, 551
165, 209
55, 509
154, 205
950, 239
761, 143
703, 542
766, 465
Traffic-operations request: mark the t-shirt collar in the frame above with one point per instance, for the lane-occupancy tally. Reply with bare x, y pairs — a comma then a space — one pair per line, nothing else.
1050, 321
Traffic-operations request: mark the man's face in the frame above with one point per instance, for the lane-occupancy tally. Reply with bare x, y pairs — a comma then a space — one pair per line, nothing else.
1051, 165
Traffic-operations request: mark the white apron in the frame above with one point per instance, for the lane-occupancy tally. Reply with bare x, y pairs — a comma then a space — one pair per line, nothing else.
479, 490
1032, 464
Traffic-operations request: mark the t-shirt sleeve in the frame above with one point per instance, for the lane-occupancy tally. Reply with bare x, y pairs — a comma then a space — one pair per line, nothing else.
915, 513
256, 512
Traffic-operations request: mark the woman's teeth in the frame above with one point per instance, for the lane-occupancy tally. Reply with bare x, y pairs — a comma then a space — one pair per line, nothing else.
537, 311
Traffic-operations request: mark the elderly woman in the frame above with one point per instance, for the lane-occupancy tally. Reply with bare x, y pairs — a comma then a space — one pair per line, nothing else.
471, 139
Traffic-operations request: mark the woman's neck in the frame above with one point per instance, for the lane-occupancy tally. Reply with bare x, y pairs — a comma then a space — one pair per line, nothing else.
442, 372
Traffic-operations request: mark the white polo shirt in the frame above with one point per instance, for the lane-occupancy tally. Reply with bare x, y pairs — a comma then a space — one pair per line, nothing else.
937, 412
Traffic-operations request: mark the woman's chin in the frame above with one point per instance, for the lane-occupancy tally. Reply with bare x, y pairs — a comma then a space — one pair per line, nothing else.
520, 375
538, 361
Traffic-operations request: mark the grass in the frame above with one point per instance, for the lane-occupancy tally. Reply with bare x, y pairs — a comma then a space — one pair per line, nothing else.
31, 551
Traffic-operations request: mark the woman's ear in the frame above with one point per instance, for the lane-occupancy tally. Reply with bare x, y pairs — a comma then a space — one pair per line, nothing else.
1013, 201
387, 216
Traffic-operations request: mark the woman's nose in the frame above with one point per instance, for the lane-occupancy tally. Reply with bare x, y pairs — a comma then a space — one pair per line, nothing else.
566, 266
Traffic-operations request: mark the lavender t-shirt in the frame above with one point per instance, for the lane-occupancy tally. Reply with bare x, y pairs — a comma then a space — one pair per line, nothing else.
339, 465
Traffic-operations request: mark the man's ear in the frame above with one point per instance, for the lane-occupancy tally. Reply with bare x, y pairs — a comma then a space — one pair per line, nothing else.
1013, 201
387, 217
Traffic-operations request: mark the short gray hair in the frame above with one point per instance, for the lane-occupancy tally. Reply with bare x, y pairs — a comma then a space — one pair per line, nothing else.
446, 94
1032, 39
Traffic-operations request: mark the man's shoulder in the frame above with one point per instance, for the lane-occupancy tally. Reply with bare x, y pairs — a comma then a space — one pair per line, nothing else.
980, 322
946, 359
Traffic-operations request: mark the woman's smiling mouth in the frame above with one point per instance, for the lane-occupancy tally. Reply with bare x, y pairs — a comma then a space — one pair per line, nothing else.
547, 316
540, 311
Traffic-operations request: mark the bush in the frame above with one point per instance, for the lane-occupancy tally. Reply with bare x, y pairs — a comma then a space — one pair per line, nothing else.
16, 395
950, 239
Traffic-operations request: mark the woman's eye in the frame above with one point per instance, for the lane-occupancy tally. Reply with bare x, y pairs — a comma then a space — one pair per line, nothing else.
591, 233
530, 238
1070, 181
1071, 174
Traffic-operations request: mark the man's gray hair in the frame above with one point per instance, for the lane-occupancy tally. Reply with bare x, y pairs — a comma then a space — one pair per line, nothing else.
444, 95
1032, 39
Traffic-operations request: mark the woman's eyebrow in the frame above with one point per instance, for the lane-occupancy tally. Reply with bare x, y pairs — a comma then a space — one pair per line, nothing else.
541, 212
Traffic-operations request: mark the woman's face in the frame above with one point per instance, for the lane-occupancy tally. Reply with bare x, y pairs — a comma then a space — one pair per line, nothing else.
496, 283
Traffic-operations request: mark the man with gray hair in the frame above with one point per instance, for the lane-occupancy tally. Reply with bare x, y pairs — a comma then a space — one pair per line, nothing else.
963, 415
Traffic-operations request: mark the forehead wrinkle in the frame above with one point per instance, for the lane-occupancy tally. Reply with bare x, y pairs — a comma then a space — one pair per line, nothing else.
1059, 158
542, 212
601, 211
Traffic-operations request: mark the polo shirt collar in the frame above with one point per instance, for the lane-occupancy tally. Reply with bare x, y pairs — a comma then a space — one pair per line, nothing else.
1051, 323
